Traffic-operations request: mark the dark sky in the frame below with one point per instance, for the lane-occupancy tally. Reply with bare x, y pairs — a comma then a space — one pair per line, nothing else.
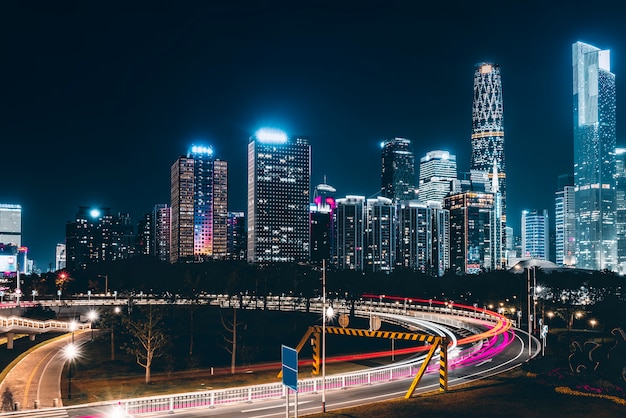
98, 99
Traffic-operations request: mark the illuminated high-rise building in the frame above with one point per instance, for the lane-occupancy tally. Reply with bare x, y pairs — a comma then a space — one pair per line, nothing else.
437, 176
351, 221
11, 224
398, 169
380, 234
423, 237
535, 234
236, 236
98, 235
471, 214
620, 207
594, 157
160, 243
199, 213
488, 135
565, 222
323, 224
279, 170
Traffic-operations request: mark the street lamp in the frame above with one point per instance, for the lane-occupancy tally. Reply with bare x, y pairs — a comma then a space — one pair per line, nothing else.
93, 316
70, 352
593, 323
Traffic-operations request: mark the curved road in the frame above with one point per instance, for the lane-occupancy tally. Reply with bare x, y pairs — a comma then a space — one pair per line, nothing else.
37, 376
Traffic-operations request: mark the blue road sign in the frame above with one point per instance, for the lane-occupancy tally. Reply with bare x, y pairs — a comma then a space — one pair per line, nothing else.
289, 358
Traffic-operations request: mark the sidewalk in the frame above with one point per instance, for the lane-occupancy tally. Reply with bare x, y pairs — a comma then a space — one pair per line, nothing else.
37, 377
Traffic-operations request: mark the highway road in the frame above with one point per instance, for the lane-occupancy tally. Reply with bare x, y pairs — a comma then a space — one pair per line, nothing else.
506, 350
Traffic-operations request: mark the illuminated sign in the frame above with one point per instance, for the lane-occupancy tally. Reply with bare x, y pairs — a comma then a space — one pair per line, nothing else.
199, 149
271, 136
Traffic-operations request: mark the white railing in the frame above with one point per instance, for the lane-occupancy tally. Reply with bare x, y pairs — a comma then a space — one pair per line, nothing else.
215, 398
15, 322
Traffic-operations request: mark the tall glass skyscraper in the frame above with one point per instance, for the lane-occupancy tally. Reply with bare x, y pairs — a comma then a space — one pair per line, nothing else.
437, 176
398, 169
565, 221
535, 234
594, 157
199, 213
279, 171
488, 136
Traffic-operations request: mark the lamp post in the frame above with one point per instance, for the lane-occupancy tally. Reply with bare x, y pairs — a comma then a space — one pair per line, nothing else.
70, 352
593, 323
324, 336
106, 283
93, 316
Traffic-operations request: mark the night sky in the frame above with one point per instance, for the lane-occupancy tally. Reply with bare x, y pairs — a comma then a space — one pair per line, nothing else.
98, 99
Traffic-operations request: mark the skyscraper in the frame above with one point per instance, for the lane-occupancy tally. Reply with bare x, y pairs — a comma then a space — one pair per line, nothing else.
351, 220
423, 237
437, 176
471, 214
398, 169
535, 234
11, 224
236, 236
161, 231
620, 207
488, 133
97, 235
279, 170
565, 222
594, 157
380, 234
199, 214
322, 224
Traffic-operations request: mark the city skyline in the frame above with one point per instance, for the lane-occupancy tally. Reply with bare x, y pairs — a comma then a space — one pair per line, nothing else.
100, 103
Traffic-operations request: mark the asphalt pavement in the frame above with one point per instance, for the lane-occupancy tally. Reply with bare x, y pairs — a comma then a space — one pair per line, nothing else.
35, 381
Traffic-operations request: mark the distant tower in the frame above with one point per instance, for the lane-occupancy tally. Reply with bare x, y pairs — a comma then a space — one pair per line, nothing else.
323, 224
620, 207
594, 157
398, 169
97, 235
11, 224
488, 130
471, 214
380, 234
199, 213
423, 241
236, 236
437, 176
565, 222
535, 234
161, 231
279, 170
59, 257
351, 220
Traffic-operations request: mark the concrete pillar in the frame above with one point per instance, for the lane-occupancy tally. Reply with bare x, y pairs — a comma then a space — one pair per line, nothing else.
10, 337
31, 337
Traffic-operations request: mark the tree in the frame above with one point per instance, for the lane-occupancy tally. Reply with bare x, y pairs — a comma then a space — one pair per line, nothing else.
150, 338
231, 328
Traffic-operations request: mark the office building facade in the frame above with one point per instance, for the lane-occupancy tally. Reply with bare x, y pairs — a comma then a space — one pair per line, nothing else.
594, 157
423, 237
11, 224
437, 175
279, 171
398, 169
323, 224
199, 200
97, 235
380, 235
565, 222
351, 220
535, 234
488, 137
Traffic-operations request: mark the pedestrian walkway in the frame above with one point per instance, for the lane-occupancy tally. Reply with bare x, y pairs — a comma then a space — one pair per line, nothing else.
34, 382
